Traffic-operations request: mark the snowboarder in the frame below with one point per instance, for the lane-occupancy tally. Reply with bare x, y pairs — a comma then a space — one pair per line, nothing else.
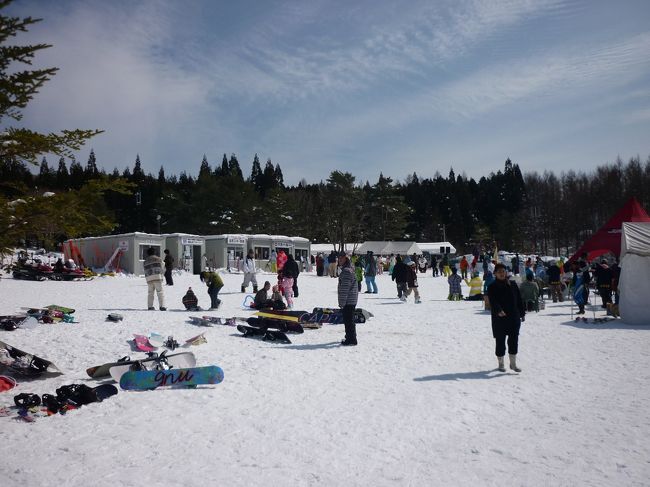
249, 272
507, 311
348, 295
169, 266
153, 273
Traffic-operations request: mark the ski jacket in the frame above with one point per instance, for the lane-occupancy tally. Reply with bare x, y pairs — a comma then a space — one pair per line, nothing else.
475, 286
213, 280
169, 262
348, 290
153, 268
529, 291
261, 298
504, 296
249, 265
190, 300
331, 259
371, 267
412, 277
603, 275
454, 284
489, 279
358, 272
290, 269
281, 260
400, 272
463, 264
553, 274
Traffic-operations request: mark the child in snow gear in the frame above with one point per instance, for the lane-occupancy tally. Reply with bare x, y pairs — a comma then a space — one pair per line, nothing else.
154, 275
190, 301
508, 313
292, 270
348, 295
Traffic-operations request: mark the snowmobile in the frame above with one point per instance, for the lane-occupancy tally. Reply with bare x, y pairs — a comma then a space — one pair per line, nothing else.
33, 271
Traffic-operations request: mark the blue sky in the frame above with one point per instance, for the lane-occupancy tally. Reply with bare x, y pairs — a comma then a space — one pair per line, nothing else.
396, 86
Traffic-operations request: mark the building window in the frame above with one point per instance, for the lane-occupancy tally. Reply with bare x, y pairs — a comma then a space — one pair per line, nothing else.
262, 253
145, 248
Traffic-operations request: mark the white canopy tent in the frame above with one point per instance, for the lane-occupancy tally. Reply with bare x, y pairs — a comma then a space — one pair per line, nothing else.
401, 248
634, 283
437, 247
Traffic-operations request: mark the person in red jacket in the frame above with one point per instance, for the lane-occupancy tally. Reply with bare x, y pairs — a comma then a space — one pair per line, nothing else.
463, 267
281, 260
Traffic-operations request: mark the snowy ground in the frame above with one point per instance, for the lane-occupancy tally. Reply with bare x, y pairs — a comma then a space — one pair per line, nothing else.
418, 402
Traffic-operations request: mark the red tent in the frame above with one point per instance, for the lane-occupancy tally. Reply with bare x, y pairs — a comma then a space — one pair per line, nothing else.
608, 238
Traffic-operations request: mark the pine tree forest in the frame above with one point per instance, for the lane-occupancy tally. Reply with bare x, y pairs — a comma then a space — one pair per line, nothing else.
544, 213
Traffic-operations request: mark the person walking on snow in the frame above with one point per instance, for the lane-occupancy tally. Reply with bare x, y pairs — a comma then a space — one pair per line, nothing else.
153, 274
412, 283
249, 272
463, 267
370, 271
169, 266
400, 276
358, 273
507, 312
348, 296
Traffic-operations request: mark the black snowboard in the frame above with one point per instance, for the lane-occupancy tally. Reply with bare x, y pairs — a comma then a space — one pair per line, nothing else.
283, 326
264, 334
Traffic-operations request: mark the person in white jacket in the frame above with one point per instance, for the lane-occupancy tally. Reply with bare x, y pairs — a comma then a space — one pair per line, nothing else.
249, 272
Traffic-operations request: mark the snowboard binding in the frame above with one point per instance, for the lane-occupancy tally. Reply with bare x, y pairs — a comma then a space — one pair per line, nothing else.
27, 401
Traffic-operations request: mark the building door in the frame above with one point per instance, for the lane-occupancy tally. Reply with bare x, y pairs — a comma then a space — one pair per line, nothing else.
196, 255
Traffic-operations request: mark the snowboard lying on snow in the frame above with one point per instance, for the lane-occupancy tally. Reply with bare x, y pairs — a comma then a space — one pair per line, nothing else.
25, 363
186, 377
212, 320
163, 361
269, 323
263, 333
318, 315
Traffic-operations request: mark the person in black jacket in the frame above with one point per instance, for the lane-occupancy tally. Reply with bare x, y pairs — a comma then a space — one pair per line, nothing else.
555, 282
169, 266
604, 282
291, 270
508, 312
400, 275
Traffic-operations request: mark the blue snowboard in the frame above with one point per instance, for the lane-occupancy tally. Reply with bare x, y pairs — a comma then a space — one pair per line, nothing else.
150, 379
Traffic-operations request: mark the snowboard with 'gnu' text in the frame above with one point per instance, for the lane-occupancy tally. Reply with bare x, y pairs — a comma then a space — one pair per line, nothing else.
143, 380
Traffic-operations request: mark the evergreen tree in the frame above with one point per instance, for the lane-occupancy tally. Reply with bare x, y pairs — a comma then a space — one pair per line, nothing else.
277, 175
138, 173
161, 176
256, 174
17, 89
62, 175
91, 166
76, 175
46, 177
205, 172
233, 167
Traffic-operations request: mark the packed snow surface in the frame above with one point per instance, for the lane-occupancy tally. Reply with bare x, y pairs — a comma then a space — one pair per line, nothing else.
418, 402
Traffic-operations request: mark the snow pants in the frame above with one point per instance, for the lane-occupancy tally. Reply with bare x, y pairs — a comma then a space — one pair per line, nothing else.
331, 269
371, 285
513, 344
157, 287
168, 276
248, 278
348, 320
556, 292
287, 287
213, 292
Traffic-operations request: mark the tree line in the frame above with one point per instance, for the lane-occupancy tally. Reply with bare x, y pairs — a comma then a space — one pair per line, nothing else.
542, 213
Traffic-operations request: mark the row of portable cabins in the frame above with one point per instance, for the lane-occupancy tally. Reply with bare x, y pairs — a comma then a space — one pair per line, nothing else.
193, 253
